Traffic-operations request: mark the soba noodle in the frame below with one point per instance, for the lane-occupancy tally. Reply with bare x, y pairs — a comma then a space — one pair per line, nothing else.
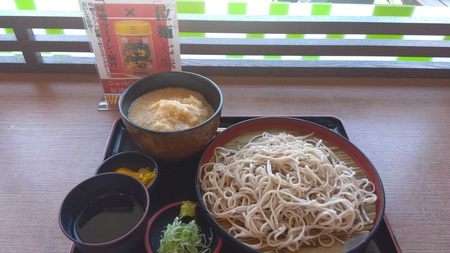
283, 192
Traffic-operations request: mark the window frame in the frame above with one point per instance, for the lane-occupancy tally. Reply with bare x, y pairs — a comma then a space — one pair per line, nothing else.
31, 45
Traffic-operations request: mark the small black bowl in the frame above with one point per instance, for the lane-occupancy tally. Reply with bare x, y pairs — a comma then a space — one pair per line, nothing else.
86, 212
165, 216
132, 160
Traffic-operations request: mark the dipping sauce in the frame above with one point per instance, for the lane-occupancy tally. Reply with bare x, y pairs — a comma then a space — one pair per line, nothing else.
170, 109
107, 218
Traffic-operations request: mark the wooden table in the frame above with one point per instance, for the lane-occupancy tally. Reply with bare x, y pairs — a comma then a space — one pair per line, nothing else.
52, 137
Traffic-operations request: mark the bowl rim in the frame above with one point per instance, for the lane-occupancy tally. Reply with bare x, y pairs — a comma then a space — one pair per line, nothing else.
239, 128
208, 80
118, 239
157, 214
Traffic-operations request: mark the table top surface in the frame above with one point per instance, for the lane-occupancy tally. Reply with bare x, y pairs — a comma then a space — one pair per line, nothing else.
52, 137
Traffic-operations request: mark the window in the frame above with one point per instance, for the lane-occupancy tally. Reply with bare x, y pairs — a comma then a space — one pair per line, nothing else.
253, 37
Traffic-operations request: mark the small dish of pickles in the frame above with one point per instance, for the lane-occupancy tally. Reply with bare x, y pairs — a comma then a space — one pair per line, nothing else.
133, 163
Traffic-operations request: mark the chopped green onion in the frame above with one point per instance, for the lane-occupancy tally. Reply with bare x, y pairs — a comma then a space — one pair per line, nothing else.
180, 237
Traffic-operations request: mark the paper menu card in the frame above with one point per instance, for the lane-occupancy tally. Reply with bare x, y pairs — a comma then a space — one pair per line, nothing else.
131, 39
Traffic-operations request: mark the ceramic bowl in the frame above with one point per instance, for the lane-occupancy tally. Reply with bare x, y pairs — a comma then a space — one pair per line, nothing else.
175, 145
132, 160
166, 215
105, 213
238, 135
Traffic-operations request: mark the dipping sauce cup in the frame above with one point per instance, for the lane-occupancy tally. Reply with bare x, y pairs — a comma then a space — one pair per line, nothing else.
105, 213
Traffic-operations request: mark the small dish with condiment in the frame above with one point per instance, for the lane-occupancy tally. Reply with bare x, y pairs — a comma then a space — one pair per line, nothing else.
182, 217
133, 163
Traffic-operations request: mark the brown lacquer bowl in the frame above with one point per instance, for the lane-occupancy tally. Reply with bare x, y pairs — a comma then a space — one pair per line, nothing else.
175, 145
252, 190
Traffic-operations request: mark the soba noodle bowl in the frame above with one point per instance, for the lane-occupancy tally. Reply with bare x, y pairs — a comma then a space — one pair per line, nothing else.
283, 192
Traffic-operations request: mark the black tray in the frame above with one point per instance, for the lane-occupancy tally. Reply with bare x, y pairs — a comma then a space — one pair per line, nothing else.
183, 178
